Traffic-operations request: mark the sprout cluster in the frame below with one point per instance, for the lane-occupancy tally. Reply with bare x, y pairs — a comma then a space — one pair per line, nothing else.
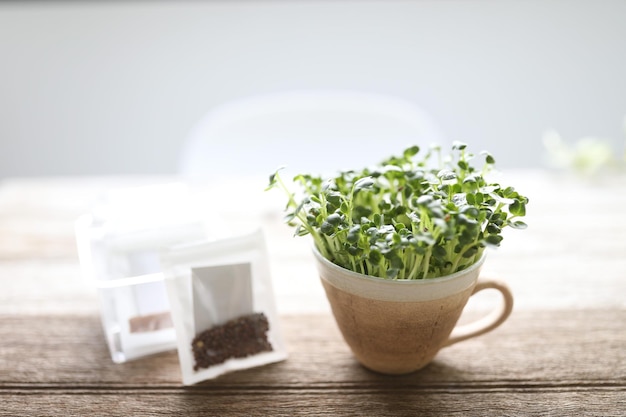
402, 219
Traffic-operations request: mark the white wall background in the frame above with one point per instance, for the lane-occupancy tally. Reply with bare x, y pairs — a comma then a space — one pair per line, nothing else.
113, 87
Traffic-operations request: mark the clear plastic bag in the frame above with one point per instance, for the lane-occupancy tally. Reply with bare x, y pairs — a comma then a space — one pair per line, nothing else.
223, 307
119, 244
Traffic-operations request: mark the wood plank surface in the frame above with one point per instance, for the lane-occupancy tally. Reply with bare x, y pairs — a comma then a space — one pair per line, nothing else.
531, 349
562, 352
285, 402
537, 364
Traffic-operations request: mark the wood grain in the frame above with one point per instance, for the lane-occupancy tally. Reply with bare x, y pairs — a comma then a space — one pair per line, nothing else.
330, 402
562, 352
539, 349
540, 363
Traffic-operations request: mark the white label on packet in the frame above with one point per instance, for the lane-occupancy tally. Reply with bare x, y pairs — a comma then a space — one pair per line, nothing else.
221, 293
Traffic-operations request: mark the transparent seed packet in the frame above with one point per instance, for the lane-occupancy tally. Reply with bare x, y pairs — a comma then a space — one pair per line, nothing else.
223, 307
119, 244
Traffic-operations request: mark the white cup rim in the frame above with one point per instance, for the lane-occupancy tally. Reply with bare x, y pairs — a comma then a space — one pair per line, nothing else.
397, 289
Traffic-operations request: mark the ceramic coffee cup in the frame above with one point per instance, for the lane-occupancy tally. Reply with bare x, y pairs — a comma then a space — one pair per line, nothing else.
398, 326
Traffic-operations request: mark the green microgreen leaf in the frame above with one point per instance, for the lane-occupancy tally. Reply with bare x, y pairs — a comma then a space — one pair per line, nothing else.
363, 183
489, 159
458, 145
411, 152
518, 225
518, 208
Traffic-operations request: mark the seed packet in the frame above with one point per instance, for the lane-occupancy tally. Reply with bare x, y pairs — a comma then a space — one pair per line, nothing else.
222, 305
119, 244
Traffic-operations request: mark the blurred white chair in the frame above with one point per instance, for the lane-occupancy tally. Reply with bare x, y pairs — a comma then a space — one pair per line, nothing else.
317, 132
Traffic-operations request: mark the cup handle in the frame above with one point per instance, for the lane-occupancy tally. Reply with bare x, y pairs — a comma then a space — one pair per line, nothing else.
489, 322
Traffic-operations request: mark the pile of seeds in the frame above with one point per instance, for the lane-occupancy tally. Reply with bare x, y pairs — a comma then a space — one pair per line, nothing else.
237, 338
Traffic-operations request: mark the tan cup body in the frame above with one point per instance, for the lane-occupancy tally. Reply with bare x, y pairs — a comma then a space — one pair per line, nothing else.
397, 327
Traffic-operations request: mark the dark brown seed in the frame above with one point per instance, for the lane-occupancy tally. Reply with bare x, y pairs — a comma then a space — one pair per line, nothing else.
238, 338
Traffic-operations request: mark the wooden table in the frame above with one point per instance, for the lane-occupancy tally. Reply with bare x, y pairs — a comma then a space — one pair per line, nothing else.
562, 352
